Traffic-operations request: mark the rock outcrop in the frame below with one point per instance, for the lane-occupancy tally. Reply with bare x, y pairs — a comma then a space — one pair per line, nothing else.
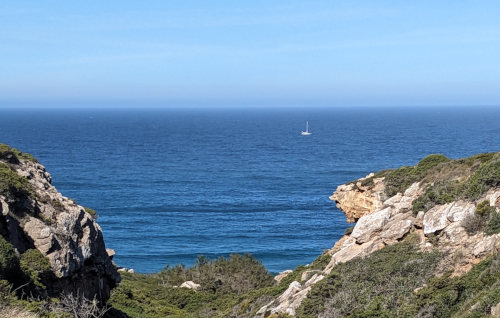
356, 199
34, 215
382, 221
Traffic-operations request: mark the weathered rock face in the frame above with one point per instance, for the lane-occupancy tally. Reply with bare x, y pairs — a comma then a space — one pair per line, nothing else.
385, 221
61, 230
356, 200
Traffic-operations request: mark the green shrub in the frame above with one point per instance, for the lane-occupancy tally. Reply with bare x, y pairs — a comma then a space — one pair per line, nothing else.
470, 295
6, 150
371, 287
11, 183
441, 192
474, 223
8, 259
494, 224
35, 266
400, 179
484, 209
92, 212
484, 178
430, 162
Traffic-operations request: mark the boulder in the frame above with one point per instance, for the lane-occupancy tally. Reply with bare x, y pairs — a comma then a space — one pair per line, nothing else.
436, 218
306, 275
493, 196
486, 245
190, 285
370, 224
282, 275
455, 233
356, 200
396, 229
459, 210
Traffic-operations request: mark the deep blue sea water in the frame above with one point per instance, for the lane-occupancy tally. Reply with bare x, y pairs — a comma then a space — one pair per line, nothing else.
169, 185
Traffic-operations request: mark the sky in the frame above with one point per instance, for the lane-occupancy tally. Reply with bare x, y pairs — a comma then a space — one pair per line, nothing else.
321, 53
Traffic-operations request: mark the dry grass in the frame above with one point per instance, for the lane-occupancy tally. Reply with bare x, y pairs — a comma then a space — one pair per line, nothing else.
14, 312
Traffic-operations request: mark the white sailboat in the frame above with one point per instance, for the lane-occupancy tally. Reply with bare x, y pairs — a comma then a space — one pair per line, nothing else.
306, 133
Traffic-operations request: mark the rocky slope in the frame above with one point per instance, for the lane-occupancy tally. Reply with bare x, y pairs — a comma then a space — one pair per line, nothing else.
34, 215
452, 206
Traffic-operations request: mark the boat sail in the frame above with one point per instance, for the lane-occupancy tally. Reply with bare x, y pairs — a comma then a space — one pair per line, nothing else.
306, 133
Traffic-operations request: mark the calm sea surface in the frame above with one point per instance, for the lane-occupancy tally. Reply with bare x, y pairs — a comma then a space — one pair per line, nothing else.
169, 185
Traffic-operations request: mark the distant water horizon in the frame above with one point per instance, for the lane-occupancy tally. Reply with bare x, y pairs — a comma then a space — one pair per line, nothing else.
171, 184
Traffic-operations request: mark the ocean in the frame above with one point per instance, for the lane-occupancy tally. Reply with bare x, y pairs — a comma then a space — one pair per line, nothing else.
172, 184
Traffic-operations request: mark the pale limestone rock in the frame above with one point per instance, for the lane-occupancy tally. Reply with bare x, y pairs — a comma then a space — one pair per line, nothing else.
111, 252
306, 275
401, 202
62, 232
190, 285
348, 242
396, 230
459, 210
356, 200
493, 196
392, 201
414, 190
353, 251
314, 279
345, 254
4, 207
291, 299
455, 233
282, 275
486, 245
369, 224
436, 218
40, 233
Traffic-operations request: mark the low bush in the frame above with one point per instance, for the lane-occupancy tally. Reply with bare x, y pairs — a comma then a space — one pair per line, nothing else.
371, 287
474, 223
485, 219
400, 179
8, 259
494, 224
92, 212
237, 274
484, 209
12, 184
470, 295
6, 151
484, 178
35, 266
236, 286
441, 192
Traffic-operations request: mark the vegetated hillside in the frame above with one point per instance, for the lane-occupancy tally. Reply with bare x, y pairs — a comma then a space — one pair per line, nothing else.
49, 246
412, 253
425, 244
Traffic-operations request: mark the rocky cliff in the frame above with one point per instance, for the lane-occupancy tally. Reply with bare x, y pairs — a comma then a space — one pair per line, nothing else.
451, 206
35, 216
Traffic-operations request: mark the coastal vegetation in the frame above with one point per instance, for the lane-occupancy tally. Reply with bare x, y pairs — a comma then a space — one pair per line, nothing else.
14, 155
236, 286
445, 180
401, 279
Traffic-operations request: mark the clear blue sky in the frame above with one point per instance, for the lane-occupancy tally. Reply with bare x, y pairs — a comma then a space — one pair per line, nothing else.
325, 53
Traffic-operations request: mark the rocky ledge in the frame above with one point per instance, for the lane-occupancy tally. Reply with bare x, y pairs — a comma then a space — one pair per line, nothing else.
451, 206
34, 215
